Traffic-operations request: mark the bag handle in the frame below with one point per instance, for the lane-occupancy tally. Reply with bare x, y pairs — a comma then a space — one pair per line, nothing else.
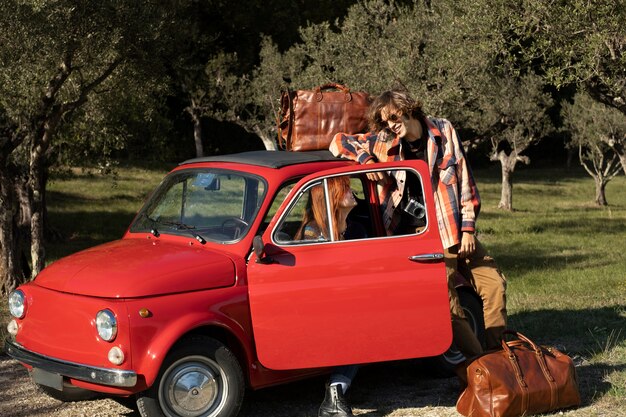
318, 91
538, 352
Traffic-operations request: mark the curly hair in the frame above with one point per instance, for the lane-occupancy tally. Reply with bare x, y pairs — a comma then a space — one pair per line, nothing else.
393, 99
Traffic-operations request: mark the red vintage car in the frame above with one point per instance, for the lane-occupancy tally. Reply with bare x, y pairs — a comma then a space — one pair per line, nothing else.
210, 291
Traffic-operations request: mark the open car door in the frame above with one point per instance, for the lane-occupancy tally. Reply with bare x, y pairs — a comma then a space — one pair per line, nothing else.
326, 302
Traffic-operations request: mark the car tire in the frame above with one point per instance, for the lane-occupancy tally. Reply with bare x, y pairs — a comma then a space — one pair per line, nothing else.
444, 365
201, 377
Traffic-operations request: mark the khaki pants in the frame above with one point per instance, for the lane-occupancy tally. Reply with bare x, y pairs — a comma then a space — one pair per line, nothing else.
482, 272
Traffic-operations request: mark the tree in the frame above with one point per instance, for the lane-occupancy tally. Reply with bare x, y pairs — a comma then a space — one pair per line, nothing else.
459, 59
584, 43
360, 51
218, 47
594, 126
54, 56
514, 116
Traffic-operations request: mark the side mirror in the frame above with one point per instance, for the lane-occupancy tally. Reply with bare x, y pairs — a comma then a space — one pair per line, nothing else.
258, 247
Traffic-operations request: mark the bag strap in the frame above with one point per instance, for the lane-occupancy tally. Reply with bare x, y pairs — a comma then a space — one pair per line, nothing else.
283, 143
319, 96
518, 375
336, 86
541, 360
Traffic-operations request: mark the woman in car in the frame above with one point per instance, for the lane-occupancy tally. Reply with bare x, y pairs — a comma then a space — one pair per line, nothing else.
316, 227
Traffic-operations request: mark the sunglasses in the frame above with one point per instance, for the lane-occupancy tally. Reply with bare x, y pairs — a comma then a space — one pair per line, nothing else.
393, 118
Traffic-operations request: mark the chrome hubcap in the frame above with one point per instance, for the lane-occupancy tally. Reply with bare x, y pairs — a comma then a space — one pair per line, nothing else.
194, 387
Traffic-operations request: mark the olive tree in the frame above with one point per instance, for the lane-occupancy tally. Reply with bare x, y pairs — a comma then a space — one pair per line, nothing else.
579, 42
593, 127
514, 117
55, 57
378, 45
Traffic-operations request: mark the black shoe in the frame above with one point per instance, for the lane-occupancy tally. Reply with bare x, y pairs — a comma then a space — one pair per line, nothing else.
334, 404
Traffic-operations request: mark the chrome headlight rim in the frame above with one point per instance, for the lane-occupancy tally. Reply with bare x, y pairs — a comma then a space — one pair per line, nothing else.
17, 304
106, 325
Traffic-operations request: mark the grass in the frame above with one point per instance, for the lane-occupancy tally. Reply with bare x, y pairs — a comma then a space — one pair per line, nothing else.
565, 264
564, 257
86, 208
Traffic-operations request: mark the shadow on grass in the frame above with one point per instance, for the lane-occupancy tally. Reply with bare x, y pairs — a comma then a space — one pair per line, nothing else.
592, 381
381, 389
378, 390
528, 258
80, 230
584, 332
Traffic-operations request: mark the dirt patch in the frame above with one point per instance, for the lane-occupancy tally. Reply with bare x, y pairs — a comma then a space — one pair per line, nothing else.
398, 389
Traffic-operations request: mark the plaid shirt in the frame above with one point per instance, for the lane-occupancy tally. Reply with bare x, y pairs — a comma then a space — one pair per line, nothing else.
457, 202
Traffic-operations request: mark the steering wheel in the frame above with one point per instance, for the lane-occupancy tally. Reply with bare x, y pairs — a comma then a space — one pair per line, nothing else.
237, 223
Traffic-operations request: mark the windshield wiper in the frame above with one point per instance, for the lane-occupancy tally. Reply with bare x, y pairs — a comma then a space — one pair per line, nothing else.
185, 227
154, 222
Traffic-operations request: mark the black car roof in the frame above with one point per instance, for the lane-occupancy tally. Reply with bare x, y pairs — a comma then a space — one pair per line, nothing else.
270, 159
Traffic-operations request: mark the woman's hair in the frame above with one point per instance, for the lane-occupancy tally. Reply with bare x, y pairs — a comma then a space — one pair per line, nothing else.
399, 100
315, 213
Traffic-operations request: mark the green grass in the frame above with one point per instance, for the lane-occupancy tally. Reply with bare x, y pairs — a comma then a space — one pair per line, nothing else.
86, 208
565, 263
564, 258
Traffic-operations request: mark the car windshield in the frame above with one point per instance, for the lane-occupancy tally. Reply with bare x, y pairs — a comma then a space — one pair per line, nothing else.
213, 205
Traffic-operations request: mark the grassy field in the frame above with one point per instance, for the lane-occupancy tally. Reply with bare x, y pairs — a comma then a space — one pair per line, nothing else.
564, 258
565, 262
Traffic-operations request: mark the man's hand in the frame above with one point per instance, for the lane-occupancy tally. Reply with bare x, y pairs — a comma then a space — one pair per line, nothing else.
468, 245
375, 176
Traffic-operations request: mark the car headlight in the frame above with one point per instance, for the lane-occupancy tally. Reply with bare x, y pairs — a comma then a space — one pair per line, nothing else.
17, 304
106, 325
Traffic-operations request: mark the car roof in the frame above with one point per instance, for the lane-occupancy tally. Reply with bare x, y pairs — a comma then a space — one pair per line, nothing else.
269, 159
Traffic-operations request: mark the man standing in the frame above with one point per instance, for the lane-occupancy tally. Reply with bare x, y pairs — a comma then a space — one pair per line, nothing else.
399, 131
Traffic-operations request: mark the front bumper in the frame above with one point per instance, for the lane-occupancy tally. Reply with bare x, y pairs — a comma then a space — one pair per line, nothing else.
102, 376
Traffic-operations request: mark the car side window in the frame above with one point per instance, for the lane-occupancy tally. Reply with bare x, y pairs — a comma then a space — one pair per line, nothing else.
280, 196
344, 199
407, 214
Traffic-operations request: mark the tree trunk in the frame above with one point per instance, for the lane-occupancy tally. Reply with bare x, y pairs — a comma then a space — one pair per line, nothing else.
268, 142
8, 255
600, 191
14, 240
506, 196
508, 163
618, 148
37, 187
617, 145
197, 134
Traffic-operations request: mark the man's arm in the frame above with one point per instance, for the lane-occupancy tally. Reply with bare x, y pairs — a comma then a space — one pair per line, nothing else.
358, 148
355, 147
469, 200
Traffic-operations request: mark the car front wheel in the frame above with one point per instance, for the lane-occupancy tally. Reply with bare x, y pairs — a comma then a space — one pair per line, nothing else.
201, 377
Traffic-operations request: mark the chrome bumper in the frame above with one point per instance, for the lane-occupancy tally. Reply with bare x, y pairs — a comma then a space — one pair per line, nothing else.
103, 376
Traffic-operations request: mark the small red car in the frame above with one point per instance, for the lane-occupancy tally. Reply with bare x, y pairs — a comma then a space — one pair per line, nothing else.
209, 291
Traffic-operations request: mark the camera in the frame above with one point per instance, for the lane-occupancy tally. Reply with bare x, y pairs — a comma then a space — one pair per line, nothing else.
414, 208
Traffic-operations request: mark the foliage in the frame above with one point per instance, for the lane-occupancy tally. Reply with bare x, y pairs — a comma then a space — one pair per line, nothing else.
578, 42
594, 127
54, 58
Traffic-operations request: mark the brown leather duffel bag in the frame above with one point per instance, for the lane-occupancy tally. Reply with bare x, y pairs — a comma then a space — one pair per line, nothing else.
522, 379
310, 118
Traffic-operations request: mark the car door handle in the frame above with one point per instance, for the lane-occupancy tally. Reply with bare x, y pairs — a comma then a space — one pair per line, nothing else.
426, 257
